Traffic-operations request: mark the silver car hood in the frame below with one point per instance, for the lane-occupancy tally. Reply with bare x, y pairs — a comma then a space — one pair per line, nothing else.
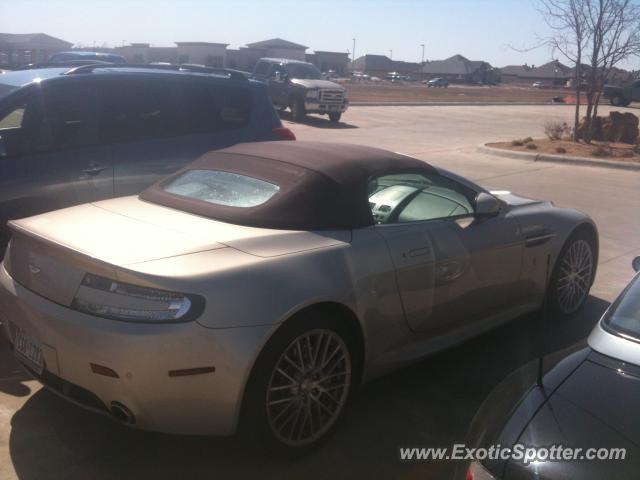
308, 83
514, 200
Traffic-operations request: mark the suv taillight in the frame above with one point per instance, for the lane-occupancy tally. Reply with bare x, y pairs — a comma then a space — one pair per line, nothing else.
284, 133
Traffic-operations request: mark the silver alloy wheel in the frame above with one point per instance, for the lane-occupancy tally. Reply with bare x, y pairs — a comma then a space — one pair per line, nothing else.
574, 276
308, 387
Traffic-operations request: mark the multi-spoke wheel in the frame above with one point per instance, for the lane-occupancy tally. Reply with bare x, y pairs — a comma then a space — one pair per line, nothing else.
301, 383
308, 387
573, 274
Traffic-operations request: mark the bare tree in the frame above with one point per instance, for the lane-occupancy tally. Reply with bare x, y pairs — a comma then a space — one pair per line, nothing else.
602, 32
568, 22
614, 29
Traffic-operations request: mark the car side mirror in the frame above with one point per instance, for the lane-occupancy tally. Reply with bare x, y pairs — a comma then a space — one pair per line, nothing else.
279, 77
487, 205
635, 263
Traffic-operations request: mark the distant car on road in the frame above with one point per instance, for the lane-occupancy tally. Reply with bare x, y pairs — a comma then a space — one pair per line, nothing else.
588, 399
622, 96
538, 84
74, 135
299, 86
257, 288
438, 83
66, 57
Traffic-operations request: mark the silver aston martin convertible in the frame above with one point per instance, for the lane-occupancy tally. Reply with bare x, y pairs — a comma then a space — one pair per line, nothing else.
256, 288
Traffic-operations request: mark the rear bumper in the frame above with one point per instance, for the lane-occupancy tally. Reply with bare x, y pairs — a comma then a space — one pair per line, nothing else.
142, 356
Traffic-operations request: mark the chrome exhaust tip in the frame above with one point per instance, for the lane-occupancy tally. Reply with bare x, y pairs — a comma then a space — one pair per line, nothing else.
122, 414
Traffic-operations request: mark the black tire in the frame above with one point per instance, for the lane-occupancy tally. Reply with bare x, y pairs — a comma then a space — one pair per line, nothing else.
335, 116
616, 100
257, 418
558, 284
626, 103
298, 111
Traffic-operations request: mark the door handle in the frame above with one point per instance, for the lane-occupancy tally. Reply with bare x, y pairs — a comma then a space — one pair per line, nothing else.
417, 252
93, 170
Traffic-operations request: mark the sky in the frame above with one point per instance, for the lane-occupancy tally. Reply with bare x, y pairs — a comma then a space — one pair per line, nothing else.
490, 30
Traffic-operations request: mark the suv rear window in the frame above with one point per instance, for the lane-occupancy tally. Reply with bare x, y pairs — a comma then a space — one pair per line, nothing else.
140, 110
222, 188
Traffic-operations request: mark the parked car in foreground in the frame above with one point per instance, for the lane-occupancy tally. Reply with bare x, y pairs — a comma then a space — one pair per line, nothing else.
256, 288
75, 135
65, 57
438, 83
622, 96
586, 400
299, 86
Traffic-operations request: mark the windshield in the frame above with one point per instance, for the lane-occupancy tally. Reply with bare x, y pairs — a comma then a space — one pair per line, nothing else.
222, 188
303, 71
624, 315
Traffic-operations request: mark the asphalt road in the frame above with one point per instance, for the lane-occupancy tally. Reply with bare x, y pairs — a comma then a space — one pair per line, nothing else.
429, 404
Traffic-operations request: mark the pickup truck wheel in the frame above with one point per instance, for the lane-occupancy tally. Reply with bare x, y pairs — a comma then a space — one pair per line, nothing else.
617, 100
626, 103
297, 109
335, 116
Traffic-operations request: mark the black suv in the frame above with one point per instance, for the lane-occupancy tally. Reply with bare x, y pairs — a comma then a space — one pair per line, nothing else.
299, 86
75, 135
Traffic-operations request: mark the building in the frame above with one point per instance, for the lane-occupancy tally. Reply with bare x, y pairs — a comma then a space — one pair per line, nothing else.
381, 65
514, 73
325, 61
279, 48
460, 69
18, 49
202, 53
551, 73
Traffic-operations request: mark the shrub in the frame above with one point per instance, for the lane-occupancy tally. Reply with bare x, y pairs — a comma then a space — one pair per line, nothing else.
627, 153
555, 130
561, 150
531, 146
601, 151
527, 140
517, 143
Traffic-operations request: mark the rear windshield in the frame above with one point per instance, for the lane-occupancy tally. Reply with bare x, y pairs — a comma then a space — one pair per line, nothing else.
624, 315
222, 188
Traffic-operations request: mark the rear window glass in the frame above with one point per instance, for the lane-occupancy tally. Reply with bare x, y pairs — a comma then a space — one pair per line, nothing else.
222, 188
624, 315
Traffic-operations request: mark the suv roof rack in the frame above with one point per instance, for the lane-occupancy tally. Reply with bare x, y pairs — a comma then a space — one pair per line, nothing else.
233, 74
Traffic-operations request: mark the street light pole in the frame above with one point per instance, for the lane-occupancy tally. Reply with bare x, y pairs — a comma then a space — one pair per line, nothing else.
353, 56
391, 54
422, 61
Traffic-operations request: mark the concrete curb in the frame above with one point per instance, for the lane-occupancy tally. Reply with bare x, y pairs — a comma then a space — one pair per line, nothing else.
545, 157
451, 104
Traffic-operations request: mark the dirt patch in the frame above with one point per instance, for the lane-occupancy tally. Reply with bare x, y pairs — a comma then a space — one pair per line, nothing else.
615, 151
416, 92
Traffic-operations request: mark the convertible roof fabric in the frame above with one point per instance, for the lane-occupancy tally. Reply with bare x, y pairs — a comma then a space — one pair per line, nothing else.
323, 186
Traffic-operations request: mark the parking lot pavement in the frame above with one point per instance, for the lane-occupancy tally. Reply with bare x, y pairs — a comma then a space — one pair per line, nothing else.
429, 404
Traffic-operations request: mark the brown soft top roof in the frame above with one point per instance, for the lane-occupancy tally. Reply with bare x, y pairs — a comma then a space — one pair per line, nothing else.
322, 185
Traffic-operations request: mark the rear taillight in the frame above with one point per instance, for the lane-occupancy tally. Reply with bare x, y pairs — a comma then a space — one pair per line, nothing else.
284, 133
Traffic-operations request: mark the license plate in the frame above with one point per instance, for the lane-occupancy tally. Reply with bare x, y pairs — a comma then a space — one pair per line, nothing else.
29, 350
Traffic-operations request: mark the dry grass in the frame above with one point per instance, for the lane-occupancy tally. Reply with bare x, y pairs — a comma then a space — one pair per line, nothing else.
416, 92
617, 151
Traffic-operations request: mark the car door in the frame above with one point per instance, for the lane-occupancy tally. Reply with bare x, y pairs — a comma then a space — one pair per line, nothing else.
453, 268
278, 85
54, 157
156, 125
